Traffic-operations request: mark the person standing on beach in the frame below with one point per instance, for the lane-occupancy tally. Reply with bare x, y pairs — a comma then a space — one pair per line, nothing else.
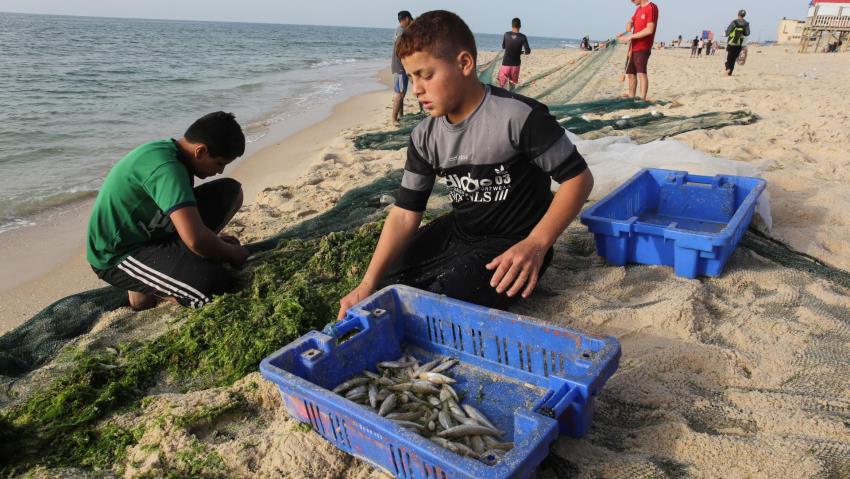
736, 32
155, 235
513, 42
399, 76
643, 24
694, 46
497, 152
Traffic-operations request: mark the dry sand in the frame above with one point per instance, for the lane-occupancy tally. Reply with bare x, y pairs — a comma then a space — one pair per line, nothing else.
742, 376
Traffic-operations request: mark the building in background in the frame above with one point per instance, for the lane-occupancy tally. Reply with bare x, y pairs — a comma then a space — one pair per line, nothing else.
790, 31
827, 26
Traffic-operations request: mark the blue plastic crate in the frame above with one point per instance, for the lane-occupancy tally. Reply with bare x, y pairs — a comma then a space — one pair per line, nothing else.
692, 223
532, 380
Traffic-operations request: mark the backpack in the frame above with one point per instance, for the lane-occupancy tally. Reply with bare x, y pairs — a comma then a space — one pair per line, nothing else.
736, 36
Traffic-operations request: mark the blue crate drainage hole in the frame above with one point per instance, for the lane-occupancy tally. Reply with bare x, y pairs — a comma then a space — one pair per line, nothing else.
401, 462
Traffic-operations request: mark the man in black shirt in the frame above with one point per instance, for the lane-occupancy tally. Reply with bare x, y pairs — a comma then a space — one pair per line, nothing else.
497, 152
513, 42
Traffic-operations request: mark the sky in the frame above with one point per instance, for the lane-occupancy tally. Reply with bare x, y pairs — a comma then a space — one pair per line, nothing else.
550, 18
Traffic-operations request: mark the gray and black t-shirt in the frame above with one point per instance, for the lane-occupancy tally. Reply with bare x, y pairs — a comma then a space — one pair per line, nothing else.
497, 164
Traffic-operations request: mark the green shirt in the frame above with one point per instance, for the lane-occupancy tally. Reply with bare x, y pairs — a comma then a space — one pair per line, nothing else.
134, 202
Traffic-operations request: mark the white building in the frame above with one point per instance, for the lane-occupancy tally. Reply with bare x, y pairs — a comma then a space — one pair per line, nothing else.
790, 31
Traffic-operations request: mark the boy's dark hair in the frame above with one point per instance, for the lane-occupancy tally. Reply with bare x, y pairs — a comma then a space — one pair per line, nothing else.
516, 23
440, 33
220, 132
404, 14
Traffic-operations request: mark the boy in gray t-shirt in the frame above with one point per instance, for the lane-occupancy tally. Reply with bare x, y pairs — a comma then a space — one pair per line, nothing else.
497, 153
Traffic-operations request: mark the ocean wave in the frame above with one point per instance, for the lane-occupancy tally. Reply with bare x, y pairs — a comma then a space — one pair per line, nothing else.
14, 224
333, 62
16, 214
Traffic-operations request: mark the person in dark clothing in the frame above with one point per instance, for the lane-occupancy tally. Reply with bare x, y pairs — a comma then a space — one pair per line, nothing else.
736, 32
514, 43
399, 75
694, 46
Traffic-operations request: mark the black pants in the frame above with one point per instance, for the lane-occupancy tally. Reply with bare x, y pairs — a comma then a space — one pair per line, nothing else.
442, 261
732, 54
169, 268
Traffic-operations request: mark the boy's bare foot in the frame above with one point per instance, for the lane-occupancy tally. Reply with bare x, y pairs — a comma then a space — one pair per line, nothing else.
625, 95
141, 301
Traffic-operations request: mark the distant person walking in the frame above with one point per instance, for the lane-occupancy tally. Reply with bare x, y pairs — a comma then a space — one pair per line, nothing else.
736, 32
514, 43
399, 75
643, 25
708, 45
700, 46
694, 46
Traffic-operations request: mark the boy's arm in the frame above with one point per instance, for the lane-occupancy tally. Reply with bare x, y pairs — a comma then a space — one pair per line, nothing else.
203, 241
399, 228
527, 47
518, 268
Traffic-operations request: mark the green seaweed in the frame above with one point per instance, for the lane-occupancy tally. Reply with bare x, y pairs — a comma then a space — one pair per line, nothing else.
294, 289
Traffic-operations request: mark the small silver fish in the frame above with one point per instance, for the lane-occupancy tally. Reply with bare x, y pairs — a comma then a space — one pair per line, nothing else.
400, 387
445, 366
356, 391
404, 416
428, 366
436, 378
447, 392
468, 430
408, 424
388, 405
424, 387
350, 384
478, 445
462, 449
395, 364
476, 414
445, 420
373, 396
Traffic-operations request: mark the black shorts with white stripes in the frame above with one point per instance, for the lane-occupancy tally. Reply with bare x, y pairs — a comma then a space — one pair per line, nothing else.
169, 268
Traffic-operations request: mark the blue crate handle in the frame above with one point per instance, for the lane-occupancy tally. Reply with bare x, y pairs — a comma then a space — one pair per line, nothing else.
682, 178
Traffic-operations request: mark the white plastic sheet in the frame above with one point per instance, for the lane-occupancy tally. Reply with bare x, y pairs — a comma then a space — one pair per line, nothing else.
615, 159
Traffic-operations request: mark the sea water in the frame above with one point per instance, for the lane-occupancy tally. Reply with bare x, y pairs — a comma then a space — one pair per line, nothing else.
77, 93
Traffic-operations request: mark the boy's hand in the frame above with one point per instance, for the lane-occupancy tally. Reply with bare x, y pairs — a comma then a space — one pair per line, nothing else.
230, 239
355, 296
238, 254
517, 269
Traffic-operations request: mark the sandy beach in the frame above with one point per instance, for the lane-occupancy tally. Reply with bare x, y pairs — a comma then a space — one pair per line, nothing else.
741, 376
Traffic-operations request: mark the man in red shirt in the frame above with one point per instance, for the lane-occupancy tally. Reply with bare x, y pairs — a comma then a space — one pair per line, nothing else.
642, 27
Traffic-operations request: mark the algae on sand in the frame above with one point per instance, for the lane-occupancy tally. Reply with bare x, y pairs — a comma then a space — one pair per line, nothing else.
293, 290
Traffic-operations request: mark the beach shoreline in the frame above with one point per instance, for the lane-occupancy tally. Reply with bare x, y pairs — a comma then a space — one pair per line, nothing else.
46, 261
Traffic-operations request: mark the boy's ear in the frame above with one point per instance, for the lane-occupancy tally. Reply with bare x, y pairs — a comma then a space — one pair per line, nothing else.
200, 150
466, 63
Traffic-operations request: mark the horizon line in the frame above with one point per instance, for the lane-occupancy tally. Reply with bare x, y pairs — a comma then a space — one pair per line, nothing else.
238, 22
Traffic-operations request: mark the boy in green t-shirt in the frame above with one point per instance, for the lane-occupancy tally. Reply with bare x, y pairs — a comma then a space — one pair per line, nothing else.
156, 236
